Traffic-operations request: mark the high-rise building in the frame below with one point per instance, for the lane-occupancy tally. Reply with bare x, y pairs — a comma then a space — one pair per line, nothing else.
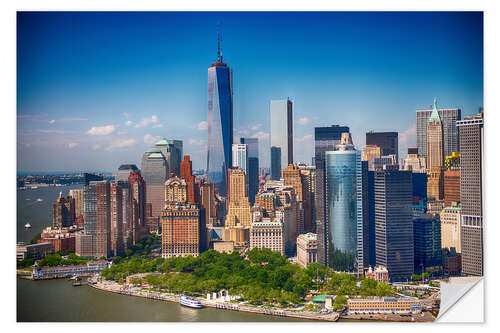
253, 166
307, 249
116, 226
124, 171
275, 163
394, 222
325, 139
452, 161
370, 152
137, 204
414, 162
291, 177
220, 122
450, 228
209, 203
365, 216
172, 151
63, 213
387, 141
341, 178
308, 179
238, 214
193, 188
176, 191
451, 186
450, 131
88, 177
435, 157
471, 193
77, 195
97, 218
426, 242
154, 171
268, 233
281, 136
240, 157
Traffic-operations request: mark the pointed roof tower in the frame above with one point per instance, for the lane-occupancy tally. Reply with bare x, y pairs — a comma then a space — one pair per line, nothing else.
435, 114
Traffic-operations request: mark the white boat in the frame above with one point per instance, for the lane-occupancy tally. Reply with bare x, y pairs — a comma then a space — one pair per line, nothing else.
39, 200
190, 302
27, 226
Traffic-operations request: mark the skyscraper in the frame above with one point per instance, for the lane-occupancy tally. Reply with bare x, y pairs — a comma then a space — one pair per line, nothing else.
325, 139
394, 222
450, 131
365, 216
116, 226
124, 171
427, 242
137, 204
387, 141
193, 188
77, 194
253, 166
172, 151
154, 170
341, 178
435, 185
275, 163
97, 217
240, 157
471, 193
220, 122
63, 212
239, 206
281, 116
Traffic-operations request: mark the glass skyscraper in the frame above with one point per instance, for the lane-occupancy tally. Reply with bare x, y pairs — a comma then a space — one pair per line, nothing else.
253, 166
220, 123
341, 173
154, 169
281, 115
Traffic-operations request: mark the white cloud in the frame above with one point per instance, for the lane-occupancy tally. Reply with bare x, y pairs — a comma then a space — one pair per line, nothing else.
96, 146
304, 138
202, 126
255, 127
128, 123
146, 121
158, 126
52, 121
261, 136
195, 142
103, 130
303, 121
72, 144
409, 136
121, 144
149, 139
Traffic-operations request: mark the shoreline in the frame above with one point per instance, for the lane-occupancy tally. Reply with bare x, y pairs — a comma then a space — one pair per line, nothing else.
116, 288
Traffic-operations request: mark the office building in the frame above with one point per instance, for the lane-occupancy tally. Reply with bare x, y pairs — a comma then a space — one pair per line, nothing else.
308, 179
394, 223
307, 249
371, 152
275, 163
268, 233
427, 243
387, 141
154, 171
63, 212
96, 238
281, 136
183, 230
124, 171
77, 195
325, 139
220, 122
88, 177
172, 151
414, 162
435, 157
450, 228
471, 193
176, 191
253, 166
450, 131
116, 233
451, 186
365, 217
341, 167
33, 251
137, 204
452, 161
240, 157
193, 188
383, 163
238, 214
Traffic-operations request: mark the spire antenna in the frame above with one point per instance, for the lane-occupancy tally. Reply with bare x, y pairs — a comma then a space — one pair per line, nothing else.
219, 59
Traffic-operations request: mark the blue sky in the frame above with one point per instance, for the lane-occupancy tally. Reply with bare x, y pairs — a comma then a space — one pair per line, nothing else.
94, 90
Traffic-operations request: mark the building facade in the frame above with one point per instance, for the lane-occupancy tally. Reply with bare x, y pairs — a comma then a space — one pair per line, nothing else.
172, 151
307, 249
427, 242
77, 195
275, 163
471, 194
253, 166
268, 233
281, 136
63, 212
387, 141
154, 171
450, 228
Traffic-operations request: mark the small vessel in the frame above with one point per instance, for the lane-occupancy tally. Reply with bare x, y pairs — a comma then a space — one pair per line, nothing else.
27, 226
190, 302
77, 281
39, 200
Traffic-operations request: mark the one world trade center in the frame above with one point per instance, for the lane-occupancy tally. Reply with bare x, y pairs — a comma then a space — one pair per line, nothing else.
220, 122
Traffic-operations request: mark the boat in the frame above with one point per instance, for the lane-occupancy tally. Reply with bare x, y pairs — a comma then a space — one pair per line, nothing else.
39, 200
77, 284
190, 302
27, 226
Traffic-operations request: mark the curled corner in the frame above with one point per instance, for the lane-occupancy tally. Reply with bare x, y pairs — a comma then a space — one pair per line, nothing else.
452, 295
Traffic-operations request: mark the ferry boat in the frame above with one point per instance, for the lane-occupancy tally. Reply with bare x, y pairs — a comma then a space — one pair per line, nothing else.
27, 226
190, 302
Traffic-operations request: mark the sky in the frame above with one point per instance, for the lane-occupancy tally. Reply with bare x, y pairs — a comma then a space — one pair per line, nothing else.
96, 90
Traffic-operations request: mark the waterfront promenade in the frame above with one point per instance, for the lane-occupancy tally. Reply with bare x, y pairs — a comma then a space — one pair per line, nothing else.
114, 287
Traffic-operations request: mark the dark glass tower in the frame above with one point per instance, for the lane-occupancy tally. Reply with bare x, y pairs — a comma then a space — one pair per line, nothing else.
253, 166
220, 122
387, 141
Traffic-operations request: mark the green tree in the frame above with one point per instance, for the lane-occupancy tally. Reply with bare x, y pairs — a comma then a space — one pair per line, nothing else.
340, 302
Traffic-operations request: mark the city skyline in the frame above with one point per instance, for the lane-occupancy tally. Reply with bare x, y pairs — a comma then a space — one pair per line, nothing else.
104, 105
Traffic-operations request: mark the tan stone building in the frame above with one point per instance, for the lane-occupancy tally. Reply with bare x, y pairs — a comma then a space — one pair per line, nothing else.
175, 190
307, 249
370, 151
450, 228
238, 213
268, 233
